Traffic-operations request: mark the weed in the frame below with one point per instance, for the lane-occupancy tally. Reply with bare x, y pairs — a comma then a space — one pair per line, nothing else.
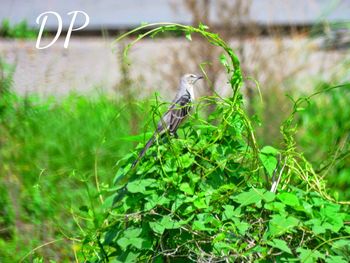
20, 30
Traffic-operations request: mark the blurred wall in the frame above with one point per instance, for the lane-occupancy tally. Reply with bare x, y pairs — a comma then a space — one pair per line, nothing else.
90, 64
114, 14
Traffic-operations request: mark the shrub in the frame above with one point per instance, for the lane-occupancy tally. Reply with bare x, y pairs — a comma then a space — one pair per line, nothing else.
214, 195
19, 30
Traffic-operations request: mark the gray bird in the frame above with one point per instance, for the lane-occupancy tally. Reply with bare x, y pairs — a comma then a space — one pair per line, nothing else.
176, 113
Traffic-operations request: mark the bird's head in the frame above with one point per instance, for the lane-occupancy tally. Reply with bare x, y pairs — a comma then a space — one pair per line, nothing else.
190, 78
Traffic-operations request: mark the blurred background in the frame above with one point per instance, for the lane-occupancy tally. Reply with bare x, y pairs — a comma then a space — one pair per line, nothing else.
67, 116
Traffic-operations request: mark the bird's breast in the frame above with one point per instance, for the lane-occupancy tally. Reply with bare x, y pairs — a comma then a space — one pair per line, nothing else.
190, 91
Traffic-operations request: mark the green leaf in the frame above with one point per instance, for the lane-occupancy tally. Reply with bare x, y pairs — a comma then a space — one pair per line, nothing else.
308, 255
209, 127
136, 242
200, 226
229, 212
127, 257
252, 197
200, 203
154, 200
132, 232
131, 238
288, 199
188, 36
223, 60
341, 244
186, 188
335, 259
334, 219
203, 27
280, 224
170, 166
269, 196
186, 160
317, 228
280, 244
110, 235
131, 257
139, 186
157, 227
123, 242
120, 178
168, 223
177, 203
108, 202
269, 150
276, 206
268, 159
307, 208
241, 226
219, 237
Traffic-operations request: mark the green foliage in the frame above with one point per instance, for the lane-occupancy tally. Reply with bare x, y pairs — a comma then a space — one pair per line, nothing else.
6, 76
19, 30
324, 136
215, 208
213, 196
52, 152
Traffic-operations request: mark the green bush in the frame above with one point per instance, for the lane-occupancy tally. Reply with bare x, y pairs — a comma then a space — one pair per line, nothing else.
324, 136
19, 30
215, 196
51, 153
203, 199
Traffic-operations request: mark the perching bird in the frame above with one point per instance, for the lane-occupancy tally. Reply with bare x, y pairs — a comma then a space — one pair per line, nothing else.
176, 113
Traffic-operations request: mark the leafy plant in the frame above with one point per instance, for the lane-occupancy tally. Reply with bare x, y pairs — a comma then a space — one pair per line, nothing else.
6, 76
324, 136
213, 195
19, 30
6, 80
53, 153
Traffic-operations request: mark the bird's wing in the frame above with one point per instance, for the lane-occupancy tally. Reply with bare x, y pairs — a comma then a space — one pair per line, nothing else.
176, 113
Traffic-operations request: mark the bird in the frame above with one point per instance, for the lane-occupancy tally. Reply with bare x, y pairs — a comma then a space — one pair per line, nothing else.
177, 112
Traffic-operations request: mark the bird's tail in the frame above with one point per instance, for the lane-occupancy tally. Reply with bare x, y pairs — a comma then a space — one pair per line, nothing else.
143, 151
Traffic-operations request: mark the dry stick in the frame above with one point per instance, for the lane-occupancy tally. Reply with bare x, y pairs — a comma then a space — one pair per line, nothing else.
273, 179
38, 247
75, 253
96, 179
275, 184
335, 157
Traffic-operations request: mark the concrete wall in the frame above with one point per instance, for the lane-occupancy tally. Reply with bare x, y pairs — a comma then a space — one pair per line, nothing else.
90, 63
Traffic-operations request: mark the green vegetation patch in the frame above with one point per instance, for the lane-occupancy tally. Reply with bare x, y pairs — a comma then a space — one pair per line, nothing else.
214, 195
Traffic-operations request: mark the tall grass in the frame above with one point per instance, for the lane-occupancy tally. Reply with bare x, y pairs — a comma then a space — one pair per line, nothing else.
53, 154
324, 137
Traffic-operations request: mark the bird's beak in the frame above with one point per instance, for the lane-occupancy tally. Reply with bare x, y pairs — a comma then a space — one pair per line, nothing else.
198, 78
